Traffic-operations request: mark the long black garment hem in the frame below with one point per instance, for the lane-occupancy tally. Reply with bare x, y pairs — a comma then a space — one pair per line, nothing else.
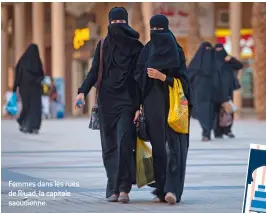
155, 110
177, 150
117, 147
31, 114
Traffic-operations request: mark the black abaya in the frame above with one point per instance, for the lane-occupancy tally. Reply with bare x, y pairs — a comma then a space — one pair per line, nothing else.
230, 83
118, 101
201, 76
156, 106
29, 75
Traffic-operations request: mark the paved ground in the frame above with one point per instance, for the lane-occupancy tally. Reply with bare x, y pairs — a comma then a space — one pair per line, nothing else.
67, 151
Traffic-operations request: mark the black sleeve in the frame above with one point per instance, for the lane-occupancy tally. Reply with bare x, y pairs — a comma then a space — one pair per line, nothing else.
169, 80
18, 74
140, 66
92, 76
134, 87
176, 73
139, 74
235, 64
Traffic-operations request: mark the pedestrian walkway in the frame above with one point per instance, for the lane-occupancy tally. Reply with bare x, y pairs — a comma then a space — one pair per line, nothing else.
66, 151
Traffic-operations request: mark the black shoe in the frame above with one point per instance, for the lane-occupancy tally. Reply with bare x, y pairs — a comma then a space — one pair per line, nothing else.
23, 129
219, 137
230, 135
34, 131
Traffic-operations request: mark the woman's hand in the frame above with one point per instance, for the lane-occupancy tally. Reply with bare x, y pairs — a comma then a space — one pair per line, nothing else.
137, 113
80, 97
156, 74
227, 58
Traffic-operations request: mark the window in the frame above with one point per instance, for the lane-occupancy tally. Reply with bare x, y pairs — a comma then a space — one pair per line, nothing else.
223, 18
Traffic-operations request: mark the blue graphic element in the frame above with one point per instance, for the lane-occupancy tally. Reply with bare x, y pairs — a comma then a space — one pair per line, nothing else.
259, 194
261, 187
257, 159
257, 204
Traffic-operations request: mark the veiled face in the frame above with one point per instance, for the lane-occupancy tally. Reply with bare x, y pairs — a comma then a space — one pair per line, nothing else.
207, 48
157, 28
219, 48
120, 21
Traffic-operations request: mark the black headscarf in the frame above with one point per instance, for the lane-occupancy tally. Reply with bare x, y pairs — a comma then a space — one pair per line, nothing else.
220, 55
29, 68
31, 61
121, 41
202, 60
164, 50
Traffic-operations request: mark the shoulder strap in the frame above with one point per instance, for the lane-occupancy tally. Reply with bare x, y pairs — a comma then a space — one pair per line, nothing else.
100, 71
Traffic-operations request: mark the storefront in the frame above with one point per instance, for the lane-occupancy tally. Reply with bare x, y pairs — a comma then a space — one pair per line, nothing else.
178, 13
247, 54
85, 38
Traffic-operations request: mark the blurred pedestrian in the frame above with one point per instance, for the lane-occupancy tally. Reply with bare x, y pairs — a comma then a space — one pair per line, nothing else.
161, 60
118, 104
228, 67
201, 74
28, 78
53, 99
46, 87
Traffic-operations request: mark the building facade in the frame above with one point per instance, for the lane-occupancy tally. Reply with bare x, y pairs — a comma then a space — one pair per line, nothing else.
67, 34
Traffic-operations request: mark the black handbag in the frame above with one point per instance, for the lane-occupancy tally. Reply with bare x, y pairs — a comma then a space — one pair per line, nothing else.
94, 121
142, 130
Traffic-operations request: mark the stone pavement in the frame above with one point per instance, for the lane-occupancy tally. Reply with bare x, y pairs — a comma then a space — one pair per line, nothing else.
67, 151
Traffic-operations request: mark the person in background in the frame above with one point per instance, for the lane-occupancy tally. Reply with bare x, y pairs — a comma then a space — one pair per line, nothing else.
46, 87
201, 76
118, 103
8, 96
53, 99
228, 67
161, 60
28, 78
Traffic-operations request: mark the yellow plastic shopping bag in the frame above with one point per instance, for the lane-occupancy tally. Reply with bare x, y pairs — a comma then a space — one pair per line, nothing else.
178, 112
144, 164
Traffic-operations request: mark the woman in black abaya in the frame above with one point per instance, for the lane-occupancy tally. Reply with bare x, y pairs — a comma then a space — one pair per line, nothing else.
118, 102
228, 67
160, 61
28, 77
200, 73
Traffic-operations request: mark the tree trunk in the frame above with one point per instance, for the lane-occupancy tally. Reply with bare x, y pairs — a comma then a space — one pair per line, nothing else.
259, 29
194, 38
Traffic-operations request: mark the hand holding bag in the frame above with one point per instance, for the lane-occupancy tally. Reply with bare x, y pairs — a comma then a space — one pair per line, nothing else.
142, 131
225, 118
94, 121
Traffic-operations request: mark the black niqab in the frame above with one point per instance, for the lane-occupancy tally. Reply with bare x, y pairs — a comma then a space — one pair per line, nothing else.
202, 60
29, 68
164, 50
121, 41
221, 54
31, 61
